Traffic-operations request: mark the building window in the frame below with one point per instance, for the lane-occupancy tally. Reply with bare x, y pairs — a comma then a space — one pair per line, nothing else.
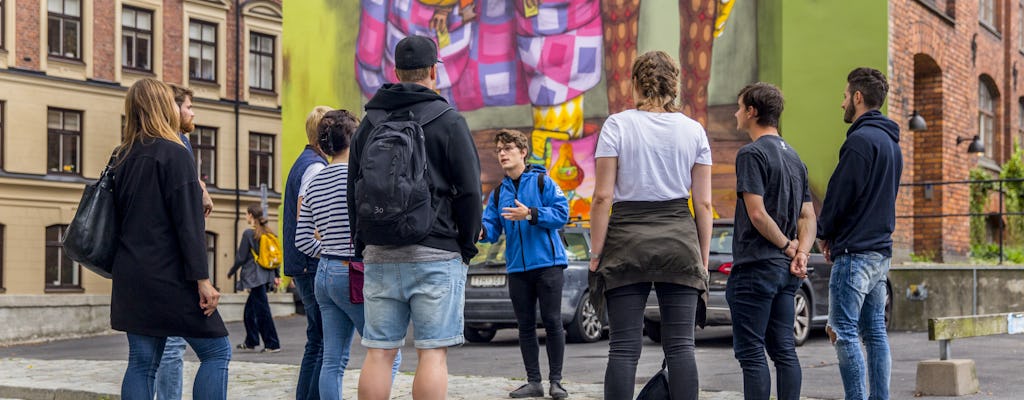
986, 118
61, 272
3, 11
1, 258
1019, 140
136, 38
261, 160
3, 109
63, 142
204, 147
261, 61
1020, 26
211, 256
202, 51
64, 28
987, 13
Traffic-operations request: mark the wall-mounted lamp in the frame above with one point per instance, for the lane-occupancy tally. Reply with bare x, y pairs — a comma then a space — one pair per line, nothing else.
975, 147
917, 123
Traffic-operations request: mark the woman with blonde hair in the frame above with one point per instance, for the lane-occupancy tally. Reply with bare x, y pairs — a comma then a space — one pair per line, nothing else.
650, 161
161, 284
258, 320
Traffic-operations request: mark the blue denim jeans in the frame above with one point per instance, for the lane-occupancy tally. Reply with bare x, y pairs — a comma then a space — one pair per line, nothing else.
857, 313
760, 297
258, 320
168, 376
431, 294
144, 353
308, 387
341, 319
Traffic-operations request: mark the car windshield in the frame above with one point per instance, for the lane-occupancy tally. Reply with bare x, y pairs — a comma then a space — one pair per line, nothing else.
721, 239
576, 249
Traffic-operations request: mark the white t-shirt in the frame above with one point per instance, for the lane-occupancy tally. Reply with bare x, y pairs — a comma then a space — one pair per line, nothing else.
656, 152
308, 176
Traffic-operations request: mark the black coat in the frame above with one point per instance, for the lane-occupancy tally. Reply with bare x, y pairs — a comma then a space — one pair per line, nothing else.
162, 245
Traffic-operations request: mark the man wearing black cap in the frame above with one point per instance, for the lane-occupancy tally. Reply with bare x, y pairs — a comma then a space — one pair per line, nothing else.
422, 280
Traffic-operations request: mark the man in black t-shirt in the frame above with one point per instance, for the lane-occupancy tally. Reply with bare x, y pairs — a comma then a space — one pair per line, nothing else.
774, 231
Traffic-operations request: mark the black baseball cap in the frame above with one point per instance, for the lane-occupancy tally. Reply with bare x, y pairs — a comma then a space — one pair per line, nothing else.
415, 52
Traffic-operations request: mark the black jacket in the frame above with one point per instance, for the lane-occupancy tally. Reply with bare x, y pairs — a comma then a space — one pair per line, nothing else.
453, 165
161, 250
859, 211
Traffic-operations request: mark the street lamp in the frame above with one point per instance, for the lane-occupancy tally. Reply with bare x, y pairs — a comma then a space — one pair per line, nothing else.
917, 123
976, 147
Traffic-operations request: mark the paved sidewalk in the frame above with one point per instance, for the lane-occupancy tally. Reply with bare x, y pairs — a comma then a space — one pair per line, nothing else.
76, 379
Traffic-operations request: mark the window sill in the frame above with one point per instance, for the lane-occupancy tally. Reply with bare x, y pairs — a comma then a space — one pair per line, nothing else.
991, 29
948, 19
140, 72
65, 60
51, 289
988, 163
262, 92
68, 174
204, 82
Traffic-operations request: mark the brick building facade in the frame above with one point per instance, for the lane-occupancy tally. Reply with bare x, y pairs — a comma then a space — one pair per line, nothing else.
956, 63
65, 66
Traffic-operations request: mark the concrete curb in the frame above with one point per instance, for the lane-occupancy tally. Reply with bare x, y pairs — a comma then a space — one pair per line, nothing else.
24, 393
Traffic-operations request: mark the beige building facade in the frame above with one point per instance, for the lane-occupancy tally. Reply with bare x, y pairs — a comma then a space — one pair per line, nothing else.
65, 66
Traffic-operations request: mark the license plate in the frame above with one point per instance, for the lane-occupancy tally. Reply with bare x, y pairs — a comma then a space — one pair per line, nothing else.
487, 280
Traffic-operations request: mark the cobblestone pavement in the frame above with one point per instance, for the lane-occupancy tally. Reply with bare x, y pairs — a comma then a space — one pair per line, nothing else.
76, 379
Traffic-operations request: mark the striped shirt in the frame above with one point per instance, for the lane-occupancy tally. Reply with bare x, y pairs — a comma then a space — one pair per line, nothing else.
325, 210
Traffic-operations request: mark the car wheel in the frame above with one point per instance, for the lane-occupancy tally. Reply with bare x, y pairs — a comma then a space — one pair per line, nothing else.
479, 335
653, 330
586, 327
802, 317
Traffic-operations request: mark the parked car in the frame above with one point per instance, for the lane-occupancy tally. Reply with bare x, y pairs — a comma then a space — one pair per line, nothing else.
488, 307
811, 300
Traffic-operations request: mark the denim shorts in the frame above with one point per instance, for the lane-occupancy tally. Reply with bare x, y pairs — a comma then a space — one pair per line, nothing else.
430, 294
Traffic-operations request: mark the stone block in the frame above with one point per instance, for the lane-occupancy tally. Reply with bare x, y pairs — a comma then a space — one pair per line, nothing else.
946, 377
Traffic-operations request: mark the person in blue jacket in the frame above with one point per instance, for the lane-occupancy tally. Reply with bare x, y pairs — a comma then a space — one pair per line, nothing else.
530, 209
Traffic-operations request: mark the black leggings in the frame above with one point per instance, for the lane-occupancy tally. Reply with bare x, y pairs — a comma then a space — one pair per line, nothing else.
525, 289
678, 306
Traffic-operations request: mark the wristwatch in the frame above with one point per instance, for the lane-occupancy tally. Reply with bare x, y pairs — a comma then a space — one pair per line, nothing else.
529, 216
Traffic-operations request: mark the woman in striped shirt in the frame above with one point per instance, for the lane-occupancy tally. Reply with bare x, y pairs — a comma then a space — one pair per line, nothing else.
323, 231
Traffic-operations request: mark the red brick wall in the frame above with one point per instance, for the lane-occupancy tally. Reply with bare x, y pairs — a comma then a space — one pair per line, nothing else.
174, 44
27, 40
104, 40
950, 112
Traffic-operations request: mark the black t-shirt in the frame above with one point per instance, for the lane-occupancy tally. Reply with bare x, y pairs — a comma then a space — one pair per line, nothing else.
770, 168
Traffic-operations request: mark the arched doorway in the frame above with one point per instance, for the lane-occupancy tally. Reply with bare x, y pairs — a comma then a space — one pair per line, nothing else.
928, 158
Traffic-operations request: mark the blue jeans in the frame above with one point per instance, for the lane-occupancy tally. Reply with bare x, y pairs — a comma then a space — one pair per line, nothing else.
760, 297
144, 358
341, 320
431, 294
258, 320
308, 387
857, 313
168, 376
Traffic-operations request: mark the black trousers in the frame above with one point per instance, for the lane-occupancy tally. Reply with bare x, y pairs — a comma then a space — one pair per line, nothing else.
526, 289
626, 305
258, 319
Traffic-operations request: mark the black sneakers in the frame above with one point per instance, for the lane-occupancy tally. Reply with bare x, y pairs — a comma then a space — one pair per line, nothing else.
531, 389
557, 391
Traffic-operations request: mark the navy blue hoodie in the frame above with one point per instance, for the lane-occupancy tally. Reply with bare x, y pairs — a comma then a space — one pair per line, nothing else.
859, 212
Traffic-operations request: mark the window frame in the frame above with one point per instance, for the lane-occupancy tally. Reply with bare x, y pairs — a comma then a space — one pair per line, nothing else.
199, 149
988, 114
135, 31
256, 154
3, 126
75, 267
2, 244
202, 44
3, 46
1020, 26
211, 256
992, 11
62, 132
258, 55
62, 18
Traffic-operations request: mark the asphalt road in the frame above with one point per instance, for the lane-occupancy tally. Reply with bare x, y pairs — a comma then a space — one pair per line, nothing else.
999, 359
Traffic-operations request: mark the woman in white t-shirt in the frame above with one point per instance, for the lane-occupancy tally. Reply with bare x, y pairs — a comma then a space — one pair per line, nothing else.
650, 161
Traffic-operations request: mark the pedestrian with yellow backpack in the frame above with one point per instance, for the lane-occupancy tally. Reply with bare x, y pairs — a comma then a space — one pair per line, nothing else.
258, 263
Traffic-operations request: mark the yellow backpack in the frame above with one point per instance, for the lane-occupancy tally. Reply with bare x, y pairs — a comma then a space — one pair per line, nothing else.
269, 256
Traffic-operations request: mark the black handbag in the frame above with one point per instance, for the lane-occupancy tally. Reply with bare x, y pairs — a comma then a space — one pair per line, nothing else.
657, 387
91, 239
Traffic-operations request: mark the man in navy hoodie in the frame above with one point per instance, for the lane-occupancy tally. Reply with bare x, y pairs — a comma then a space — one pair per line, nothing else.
532, 209
855, 226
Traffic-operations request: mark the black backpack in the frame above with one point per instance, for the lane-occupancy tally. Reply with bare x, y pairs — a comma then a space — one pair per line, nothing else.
393, 194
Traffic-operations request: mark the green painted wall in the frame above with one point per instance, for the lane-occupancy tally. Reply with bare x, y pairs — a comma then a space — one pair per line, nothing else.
315, 71
808, 48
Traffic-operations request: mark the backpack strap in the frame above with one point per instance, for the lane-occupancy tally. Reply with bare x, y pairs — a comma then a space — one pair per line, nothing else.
496, 194
428, 114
